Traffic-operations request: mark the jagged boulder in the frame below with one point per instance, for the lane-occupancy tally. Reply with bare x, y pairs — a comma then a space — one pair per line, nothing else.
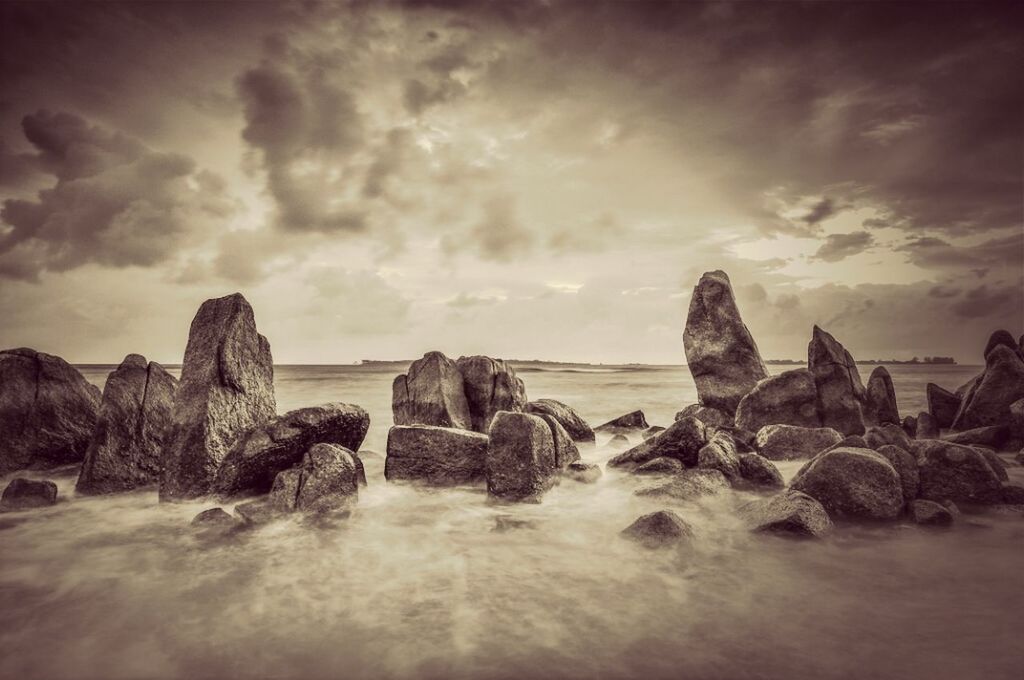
789, 442
720, 454
682, 440
758, 472
652, 430
327, 480
927, 426
432, 392
520, 462
720, 351
573, 423
24, 494
1001, 384
630, 422
47, 411
789, 398
437, 456
880, 399
490, 386
952, 472
840, 391
658, 529
791, 513
126, 448
263, 451
688, 485
712, 417
226, 387
852, 484
942, 404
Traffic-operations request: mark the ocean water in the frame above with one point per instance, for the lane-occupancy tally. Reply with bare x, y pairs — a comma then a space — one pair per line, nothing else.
418, 584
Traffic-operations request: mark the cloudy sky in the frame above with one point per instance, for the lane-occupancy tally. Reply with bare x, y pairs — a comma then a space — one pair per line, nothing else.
523, 180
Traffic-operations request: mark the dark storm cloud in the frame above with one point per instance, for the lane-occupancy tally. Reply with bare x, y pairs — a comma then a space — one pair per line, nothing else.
984, 301
931, 252
822, 210
841, 246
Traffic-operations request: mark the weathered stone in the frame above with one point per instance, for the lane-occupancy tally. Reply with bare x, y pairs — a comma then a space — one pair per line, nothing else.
431, 393
660, 466
520, 462
214, 518
1001, 384
927, 426
758, 472
585, 473
956, 473
789, 398
910, 426
1013, 494
226, 387
490, 386
709, 416
880, 399
630, 422
658, 529
265, 450
942, 404
999, 338
257, 512
905, 465
618, 440
994, 436
126, 448
1017, 419
720, 351
326, 481
720, 454
438, 456
840, 390
682, 440
566, 451
651, 431
853, 484
573, 423
996, 463
791, 513
789, 442
47, 411
23, 494
930, 513
688, 485
887, 434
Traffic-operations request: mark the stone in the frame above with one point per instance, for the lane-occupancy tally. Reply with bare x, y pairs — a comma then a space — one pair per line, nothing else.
927, 426
853, 484
263, 451
880, 399
326, 481
47, 411
720, 454
840, 391
905, 465
996, 463
789, 398
952, 472
490, 385
520, 461
792, 514
688, 485
930, 513
226, 387
720, 351
257, 512
1001, 384
758, 472
709, 416
1017, 419
789, 442
573, 423
432, 392
436, 456
877, 436
910, 426
585, 473
214, 518
999, 338
618, 440
506, 523
942, 404
658, 530
660, 466
651, 431
1013, 494
566, 451
682, 440
24, 494
126, 448
993, 436
630, 422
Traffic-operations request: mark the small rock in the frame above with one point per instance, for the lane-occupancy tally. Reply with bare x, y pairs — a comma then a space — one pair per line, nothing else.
214, 518
506, 523
789, 398
682, 440
618, 440
720, 454
758, 472
791, 513
910, 426
585, 473
930, 513
905, 465
660, 466
658, 529
887, 434
326, 481
789, 442
257, 512
957, 473
438, 456
23, 494
688, 485
631, 422
573, 423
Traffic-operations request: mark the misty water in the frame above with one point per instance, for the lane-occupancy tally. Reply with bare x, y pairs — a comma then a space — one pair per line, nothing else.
417, 583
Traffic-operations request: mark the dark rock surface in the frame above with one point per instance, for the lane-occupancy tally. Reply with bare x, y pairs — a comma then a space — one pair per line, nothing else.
688, 485
905, 465
993, 436
1001, 384
438, 456
887, 434
326, 481
707, 415
624, 424
789, 398
758, 472
490, 385
789, 442
840, 390
720, 454
791, 513
566, 451
573, 423
24, 494
520, 462
682, 440
585, 473
927, 426
651, 431
658, 529
952, 472
942, 404
660, 466
999, 338
431, 393
910, 426
880, 399
853, 484
930, 513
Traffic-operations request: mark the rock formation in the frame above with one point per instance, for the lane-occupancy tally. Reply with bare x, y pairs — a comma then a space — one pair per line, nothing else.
852, 484
942, 404
788, 442
789, 398
682, 440
720, 454
953, 472
431, 393
490, 386
520, 457
758, 472
624, 424
988, 401
573, 423
880, 399
438, 456
25, 494
791, 513
999, 338
840, 390
326, 481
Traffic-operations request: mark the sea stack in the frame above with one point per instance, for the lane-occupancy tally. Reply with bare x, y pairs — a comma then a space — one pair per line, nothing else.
226, 387
720, 351
840, 391
490, 385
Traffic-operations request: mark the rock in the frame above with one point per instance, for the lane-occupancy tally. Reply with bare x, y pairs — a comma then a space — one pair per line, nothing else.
790, 514
506, 523
880, 399
927, 427
1017, 419
894, 435
437, 456
565, 448
431, 393
942, 405
682, 440
910, 426
840, 391
1013, 494
660, 466
789, 398
707, 415
993, 436
263, 451
1001, 384
226, 387
720, 351
651, 431
853, 484
688, 485
952, 472
720, 454
585, 473
520, 461
490, 386
930, 513
789, 442
257, 512
997, 464
631, 422
126, 447
905, 465
214, 518
1000, 338
23, 494
658, 529
618, 440
577, 428
47, 411
758, 472
1019, 458
326, 481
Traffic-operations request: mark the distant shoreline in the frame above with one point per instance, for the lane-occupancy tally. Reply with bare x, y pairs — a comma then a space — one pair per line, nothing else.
402, 363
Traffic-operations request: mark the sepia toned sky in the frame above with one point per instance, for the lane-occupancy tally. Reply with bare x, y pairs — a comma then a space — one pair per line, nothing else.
525, 180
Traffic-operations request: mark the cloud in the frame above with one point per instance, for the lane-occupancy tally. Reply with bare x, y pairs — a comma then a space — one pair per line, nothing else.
841, 246
931, 252
498, 235
593, 235
984, 302
822, 210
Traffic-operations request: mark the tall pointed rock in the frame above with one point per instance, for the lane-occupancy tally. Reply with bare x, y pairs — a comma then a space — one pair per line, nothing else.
841, 393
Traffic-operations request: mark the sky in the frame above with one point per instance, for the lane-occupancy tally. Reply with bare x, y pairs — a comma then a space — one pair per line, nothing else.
539, 180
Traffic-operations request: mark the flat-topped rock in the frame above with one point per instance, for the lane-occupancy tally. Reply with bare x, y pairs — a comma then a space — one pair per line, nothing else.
431, 393
840, 391
688, 485
930, 513
437, 456
573, 423
490, 385
789, 398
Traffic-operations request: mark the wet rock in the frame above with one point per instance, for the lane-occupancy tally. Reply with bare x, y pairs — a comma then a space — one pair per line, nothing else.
927, 427
996, 463
1001, 384
1017, 419
942, 404
720, 351
520, 461
840, 390
257, 512
431, 393
688, 485
709, 416
930, 513
630, 422
660, 466
952, 472
24, 494
910, 426
490, 386
585, 473
658, 529
880, 399
720, 454
682, 440
790, 398
326, 481
856, 484
265, 450
758, 472
999, 338
438, 456
905, 465
994, 436
565, 448
791, 513
618, 440
1013, 494
506, 523
887, 434
215, 519
126, 448
226, 387
651, 431
47, 411
573, 423
789, 442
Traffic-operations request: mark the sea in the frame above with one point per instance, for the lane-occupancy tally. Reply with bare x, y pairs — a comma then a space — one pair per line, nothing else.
442, 583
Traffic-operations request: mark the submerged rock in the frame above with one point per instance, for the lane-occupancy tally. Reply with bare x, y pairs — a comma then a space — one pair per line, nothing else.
214, 518
658, 529
326, 481
439, 456
573, 423
618, 440
126, 448
682, 440
257, 512
24, 494
840, 391
880, 399
431, 393
520, 462
853, 484
789, 442
930, 513
688, 485
585, 473
47, 411
1001, 384
490, 386
226, 387
790, 398
942, 404
758, 472
631, 422
952, 472
790, 514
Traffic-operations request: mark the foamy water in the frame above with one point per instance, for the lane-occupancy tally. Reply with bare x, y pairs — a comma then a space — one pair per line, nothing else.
418, 584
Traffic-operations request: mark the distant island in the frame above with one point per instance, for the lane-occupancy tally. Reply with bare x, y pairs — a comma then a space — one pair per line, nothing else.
915, 360
949, 361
